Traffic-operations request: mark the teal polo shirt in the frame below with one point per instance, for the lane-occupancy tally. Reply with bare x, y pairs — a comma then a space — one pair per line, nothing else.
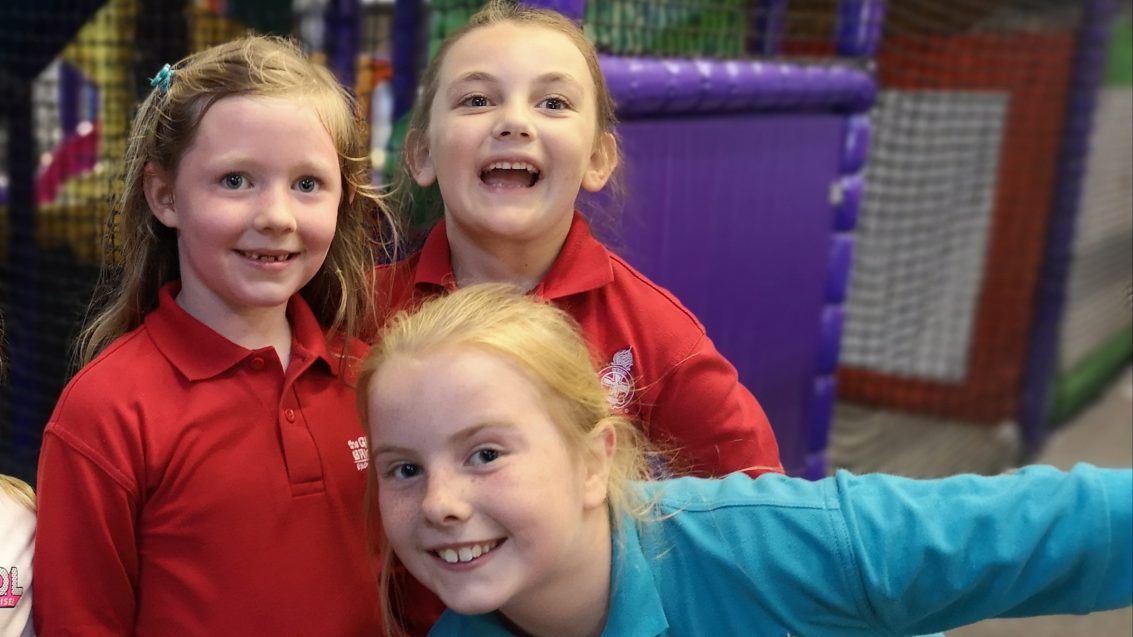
864, 555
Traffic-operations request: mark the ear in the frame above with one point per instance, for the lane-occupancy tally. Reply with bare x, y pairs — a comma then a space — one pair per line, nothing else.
157, 184
419, 159
601, 445
603, 161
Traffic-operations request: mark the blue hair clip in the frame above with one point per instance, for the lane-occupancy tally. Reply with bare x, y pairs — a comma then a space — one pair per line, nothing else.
163, 79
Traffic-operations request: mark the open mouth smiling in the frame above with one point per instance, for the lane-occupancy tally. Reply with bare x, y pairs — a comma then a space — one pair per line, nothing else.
265, 257
466, 552
510, 174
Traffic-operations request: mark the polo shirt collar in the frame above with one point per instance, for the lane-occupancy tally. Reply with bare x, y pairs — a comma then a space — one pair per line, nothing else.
199, 352
434, 265
583, 264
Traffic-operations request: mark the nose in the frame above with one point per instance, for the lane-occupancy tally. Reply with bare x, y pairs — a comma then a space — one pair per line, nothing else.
445, 502
275, 213
514, 122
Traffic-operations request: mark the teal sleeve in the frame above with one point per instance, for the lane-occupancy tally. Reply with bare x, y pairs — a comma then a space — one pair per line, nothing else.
934, 555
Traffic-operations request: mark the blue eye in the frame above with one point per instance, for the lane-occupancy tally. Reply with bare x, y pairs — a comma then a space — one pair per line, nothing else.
556, 103
477, 101
485, 456
232, 181
404, 471
307, 184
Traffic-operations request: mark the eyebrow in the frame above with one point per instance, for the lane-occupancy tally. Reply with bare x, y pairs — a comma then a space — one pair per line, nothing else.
547, 78
458, 437
307, 164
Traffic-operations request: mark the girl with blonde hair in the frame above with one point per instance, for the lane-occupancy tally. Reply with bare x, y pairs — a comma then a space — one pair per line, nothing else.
506, 486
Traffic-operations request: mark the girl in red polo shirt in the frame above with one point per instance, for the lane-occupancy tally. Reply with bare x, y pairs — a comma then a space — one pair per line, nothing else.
513, 120
203, 473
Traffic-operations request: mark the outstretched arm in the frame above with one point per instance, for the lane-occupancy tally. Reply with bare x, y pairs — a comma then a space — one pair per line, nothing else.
936, 554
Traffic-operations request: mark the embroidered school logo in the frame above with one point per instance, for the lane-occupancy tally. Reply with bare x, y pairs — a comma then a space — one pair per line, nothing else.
10, 589
617, 378
360, 453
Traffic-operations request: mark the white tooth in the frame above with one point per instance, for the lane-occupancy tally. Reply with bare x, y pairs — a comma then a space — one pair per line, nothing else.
477, 551
505, 165
465, 554
449, 556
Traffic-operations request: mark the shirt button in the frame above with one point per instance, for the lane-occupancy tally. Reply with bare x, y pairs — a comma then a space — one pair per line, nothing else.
289, 414
256, 363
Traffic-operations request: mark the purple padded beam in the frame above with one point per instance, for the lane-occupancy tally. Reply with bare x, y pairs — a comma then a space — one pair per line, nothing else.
647, 86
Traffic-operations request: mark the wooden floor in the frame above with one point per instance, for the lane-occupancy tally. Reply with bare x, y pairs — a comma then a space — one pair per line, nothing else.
1102, 434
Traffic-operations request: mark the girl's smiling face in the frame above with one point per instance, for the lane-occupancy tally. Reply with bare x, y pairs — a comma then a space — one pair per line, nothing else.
513, 134
255, 204
480, 497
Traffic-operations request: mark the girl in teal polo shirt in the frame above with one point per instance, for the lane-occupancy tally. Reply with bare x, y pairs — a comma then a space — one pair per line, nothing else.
506, 486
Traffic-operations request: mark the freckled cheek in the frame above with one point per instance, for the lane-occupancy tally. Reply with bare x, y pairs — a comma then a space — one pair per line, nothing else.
398, 513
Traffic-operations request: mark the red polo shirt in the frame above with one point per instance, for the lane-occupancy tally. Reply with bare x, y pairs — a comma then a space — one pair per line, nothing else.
189, 486
659, 365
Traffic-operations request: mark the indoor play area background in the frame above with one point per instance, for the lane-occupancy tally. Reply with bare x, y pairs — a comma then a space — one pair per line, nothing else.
894, 217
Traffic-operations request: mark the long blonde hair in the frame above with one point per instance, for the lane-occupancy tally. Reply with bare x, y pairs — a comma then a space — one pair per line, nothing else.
543, 341
165, 125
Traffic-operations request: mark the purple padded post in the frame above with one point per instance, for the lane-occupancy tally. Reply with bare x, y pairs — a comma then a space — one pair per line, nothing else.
1089, 60
859, 27
841, 262
770, 16
409, 42
342, 39
857, 143
848, 202
822, 411
830, 338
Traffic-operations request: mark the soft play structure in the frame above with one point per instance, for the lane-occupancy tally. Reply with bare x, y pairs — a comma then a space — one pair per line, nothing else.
984, 138
883, 205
